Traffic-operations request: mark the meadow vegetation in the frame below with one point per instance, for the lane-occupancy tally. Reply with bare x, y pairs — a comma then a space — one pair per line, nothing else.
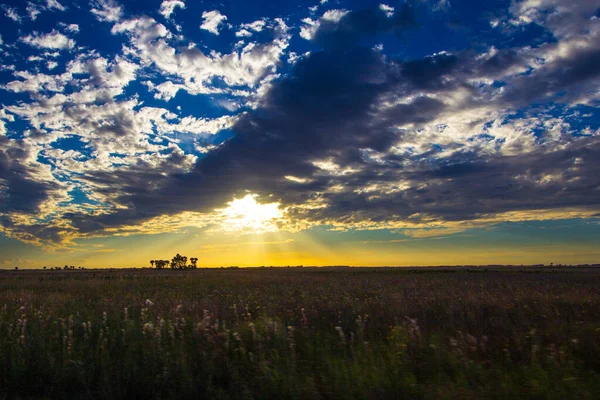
300, 334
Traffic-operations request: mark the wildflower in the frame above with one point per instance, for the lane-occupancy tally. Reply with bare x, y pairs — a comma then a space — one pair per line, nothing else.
22, 323
291, 342
340, 332
171, 331
413, 328
148, 328
148, 303
253, 328
160, 327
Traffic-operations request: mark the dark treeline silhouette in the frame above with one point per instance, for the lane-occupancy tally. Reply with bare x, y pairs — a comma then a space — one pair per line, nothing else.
177, 262
65, 268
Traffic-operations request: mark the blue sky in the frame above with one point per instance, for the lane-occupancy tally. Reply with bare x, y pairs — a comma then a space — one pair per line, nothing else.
306, 126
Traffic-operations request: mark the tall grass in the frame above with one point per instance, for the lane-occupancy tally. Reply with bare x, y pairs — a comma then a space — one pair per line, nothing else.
300, 334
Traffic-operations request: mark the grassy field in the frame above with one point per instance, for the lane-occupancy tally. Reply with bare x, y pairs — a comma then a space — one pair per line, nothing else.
301, 334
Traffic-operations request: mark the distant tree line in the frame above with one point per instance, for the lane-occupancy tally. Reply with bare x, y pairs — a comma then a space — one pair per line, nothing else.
177, 262
65, 268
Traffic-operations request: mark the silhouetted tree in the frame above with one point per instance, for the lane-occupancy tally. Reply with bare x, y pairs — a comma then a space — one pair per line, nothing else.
179, 262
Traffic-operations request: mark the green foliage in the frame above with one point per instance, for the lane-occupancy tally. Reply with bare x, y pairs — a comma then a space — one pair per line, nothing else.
299, 334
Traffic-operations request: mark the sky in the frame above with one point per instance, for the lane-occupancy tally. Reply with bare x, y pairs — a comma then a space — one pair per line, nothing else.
339, 132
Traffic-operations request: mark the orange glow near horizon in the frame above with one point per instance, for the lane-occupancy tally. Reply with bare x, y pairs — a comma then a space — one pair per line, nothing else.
309, 249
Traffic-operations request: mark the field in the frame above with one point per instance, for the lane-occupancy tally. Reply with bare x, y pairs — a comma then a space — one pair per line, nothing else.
301, 334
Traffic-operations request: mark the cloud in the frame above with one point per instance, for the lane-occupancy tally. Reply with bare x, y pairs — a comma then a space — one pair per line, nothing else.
339, 28
168, 7
107, 10
11, 12
212, 20
27, 192
243, 33
196, 71
388, 10
33, 9
345, 136
300, 128
52, 40
376, 142
247, 30
310, 27
54, 4
73, 28
115, 136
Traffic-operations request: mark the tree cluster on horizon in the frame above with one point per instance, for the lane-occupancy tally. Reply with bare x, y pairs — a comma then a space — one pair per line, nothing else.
177, 262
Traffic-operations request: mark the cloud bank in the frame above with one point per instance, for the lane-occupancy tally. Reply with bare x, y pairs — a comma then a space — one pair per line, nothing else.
348, 136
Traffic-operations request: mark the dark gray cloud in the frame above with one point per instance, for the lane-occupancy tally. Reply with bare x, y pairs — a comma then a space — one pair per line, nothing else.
355, 25
570, 76
484, 186
20, 190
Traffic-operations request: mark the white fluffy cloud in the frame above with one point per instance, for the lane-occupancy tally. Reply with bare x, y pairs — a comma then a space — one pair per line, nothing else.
310, 26
247, 30
107, 10
388, 10
212, 20
168, 7
193, 69
52, 40
35, 9
73, 28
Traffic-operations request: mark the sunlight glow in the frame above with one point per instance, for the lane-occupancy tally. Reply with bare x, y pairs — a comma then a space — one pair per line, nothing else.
248, 215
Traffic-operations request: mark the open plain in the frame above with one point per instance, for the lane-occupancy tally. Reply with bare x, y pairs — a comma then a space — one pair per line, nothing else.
303, 333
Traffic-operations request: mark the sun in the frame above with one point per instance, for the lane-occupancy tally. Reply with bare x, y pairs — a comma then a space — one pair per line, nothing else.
248, 215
